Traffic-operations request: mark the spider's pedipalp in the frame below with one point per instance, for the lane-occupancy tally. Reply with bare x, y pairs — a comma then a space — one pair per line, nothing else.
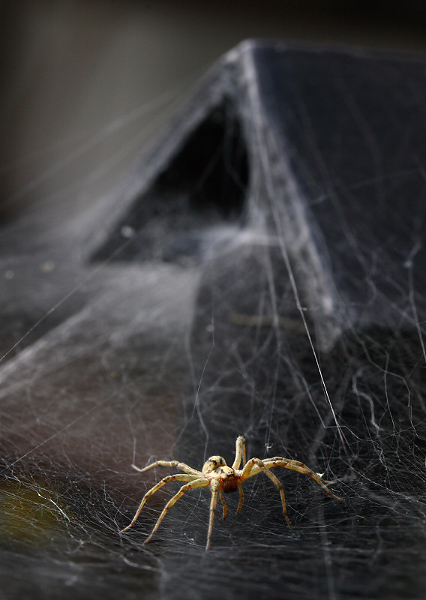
177, 477
169, 463
240, 503
201, 482
225, 508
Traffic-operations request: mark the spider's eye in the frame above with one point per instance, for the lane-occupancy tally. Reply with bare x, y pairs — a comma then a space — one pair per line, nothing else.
213, 463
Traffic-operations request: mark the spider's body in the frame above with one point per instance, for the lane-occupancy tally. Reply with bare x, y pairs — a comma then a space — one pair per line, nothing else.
215, 468
221, 478
228, 479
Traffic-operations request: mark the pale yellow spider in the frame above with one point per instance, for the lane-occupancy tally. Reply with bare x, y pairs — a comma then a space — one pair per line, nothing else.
220, 478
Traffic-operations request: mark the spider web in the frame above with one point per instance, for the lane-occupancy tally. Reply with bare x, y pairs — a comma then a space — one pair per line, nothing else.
260, 275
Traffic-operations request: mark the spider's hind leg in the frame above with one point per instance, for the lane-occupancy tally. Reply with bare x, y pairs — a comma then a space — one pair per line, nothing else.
296, 465
255, 466
177, 477
169, 463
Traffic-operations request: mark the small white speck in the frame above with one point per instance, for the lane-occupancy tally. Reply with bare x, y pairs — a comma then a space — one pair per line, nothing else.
127, 231
47, 266
9, 274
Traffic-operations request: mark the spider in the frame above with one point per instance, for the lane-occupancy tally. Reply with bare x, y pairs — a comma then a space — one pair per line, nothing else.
221, 479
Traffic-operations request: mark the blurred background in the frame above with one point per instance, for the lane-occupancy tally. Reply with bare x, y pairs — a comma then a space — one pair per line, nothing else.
87, 84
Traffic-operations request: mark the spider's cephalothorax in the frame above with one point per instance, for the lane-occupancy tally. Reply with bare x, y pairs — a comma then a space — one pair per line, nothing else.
227, 477
221, 478
213, 463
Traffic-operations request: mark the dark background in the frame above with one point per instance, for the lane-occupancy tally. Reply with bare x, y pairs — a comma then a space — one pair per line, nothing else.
83, 81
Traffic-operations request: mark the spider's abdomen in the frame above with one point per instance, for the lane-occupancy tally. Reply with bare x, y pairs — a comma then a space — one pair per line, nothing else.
230, 484
228, 479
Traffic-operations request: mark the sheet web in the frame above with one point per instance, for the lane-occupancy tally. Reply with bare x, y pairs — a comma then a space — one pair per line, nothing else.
173, 360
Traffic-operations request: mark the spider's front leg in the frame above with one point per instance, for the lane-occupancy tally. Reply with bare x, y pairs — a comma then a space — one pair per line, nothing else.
240, 452
215, 490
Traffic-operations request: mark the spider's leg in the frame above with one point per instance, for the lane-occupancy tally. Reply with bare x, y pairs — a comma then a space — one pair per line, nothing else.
170, 463
177, 477
250, 468
255, 466
213, 503
295, 465
196, 483
225, 508
240, 503
240, 452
